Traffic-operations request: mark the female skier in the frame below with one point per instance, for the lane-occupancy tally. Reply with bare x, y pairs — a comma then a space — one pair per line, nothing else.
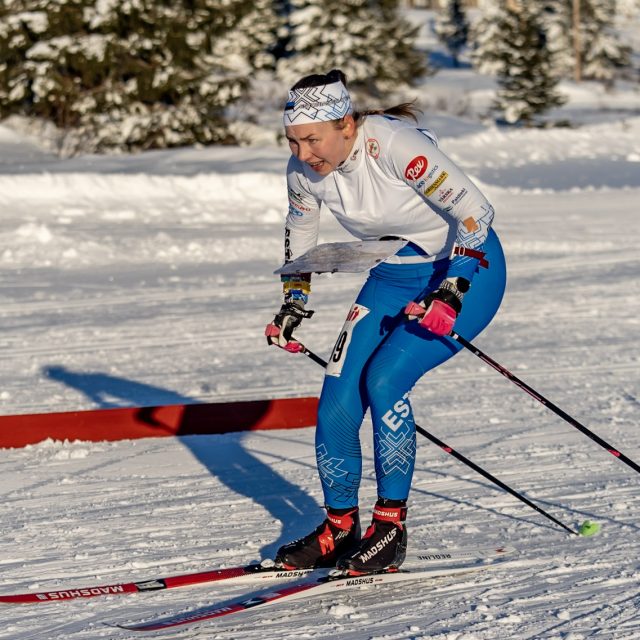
381, 177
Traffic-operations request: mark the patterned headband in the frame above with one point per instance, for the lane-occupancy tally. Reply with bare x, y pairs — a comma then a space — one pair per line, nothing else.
317, 104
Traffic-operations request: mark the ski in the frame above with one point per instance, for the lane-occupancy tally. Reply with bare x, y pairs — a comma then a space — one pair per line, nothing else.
249, 573
314, 585
252, 573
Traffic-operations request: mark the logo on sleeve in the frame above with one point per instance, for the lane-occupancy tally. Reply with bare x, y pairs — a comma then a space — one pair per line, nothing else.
461, 194
416, 168
297, 199
297, 205
439, 180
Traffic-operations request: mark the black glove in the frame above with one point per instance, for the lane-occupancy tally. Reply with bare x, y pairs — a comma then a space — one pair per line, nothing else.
289, 317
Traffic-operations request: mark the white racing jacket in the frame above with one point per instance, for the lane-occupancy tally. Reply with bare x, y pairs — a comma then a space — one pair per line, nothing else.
396, 182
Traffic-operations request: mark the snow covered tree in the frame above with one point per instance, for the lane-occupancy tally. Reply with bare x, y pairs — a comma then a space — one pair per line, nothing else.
487, 40
598, 52
525, 78
283, 34
627, 8
602, 52
556, 18
452, 28
131, 74
368, 39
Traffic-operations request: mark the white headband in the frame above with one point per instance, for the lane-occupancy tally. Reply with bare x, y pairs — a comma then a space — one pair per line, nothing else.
317, 104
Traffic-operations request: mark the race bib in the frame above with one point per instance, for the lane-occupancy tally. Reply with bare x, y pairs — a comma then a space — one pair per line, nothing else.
339, 353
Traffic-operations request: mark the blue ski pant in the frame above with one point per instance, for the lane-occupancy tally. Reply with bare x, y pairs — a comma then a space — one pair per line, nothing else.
376, 361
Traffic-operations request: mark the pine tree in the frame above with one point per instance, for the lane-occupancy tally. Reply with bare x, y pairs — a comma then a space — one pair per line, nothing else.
557, 21
627, 8
368, 39
487, 40
527, 85
283, 10
602, 53
131, 74
452, 28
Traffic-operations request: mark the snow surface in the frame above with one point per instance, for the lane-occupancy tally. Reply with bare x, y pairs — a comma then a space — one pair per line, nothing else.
148, 280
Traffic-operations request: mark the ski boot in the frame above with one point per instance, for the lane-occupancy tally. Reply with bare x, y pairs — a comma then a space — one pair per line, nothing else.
384, 545
337, 535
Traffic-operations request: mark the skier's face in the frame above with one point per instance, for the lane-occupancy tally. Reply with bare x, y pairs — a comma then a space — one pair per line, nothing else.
322, 145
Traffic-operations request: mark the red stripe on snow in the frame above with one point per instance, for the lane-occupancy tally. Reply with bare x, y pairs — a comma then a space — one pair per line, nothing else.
153, 422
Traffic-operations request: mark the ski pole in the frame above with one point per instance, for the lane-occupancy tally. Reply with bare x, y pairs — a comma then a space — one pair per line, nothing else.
540, 398
458, 456
451, 451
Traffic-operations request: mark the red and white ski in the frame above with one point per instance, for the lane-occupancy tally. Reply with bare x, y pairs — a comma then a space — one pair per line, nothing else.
318, 585
253, 573
249, 573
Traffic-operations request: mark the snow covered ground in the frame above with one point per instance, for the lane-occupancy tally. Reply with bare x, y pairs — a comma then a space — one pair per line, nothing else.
147, 280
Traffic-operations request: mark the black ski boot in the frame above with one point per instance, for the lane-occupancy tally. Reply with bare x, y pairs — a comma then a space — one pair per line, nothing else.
337, 535
384, 545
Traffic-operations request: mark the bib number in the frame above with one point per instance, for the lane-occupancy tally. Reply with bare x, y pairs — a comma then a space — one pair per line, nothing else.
339, 353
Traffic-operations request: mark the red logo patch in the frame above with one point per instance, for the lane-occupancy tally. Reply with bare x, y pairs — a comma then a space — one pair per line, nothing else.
416, 168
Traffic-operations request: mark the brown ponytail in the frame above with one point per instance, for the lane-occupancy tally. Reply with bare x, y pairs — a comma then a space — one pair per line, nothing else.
406, 110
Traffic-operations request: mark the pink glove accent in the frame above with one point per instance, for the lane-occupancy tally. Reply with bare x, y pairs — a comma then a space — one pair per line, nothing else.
439, 318
414, 309
271, 330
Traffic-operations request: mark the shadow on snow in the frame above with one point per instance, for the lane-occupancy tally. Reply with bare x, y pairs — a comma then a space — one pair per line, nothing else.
224, 456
